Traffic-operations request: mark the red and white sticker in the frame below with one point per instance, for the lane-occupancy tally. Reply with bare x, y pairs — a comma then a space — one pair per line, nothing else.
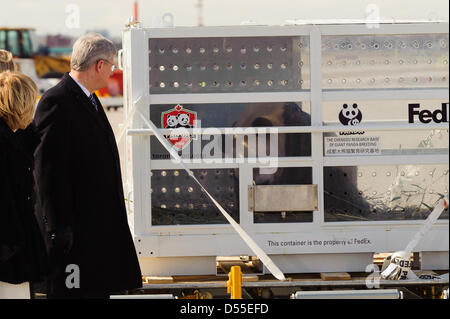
178, 120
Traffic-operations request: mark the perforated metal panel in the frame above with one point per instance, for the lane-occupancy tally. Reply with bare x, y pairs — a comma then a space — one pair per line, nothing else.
224, 64
178, 200
385, 61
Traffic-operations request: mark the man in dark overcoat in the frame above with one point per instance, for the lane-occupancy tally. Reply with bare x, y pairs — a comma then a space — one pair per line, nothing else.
80, 198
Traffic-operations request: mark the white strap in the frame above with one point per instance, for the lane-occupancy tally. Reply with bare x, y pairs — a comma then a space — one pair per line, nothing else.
432, 218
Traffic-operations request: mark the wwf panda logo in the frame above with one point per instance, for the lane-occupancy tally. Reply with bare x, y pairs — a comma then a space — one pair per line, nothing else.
350, 114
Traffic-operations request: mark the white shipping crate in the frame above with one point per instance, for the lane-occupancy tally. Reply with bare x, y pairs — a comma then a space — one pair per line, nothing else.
354, 115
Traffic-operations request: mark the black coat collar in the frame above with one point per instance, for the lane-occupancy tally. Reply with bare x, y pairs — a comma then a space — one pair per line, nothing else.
69, 83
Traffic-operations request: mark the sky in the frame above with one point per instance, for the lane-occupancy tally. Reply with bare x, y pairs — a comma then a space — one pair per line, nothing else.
75, 17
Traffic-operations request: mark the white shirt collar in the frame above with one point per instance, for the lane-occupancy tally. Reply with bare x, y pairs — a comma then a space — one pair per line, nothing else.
88, 94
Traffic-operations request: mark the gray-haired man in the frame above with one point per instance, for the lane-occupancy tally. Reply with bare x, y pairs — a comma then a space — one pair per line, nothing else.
79, 191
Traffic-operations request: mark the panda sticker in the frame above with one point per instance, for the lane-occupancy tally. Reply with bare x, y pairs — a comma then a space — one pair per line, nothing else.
350, 115
176, 120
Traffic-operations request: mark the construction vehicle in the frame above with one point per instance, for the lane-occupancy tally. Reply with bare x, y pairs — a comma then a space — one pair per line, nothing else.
44, 70
47, 70
357, 162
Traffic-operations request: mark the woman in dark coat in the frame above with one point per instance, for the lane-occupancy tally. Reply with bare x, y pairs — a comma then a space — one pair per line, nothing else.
22, 250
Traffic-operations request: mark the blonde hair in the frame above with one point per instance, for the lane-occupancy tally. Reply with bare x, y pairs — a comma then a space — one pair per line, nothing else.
18, 95
6, 61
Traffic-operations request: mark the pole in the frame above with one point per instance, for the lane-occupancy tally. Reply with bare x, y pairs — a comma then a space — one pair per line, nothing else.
135, 11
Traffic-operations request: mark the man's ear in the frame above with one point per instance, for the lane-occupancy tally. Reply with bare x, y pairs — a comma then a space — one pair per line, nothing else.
99, 65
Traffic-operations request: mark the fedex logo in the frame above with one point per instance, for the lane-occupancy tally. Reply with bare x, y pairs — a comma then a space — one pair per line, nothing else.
426, 116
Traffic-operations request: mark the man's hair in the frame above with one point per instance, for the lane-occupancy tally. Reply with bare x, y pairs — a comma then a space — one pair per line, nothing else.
6, 61
18, 94
89, 49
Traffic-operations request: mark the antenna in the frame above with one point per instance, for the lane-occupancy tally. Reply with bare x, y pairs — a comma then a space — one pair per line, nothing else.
135, 11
